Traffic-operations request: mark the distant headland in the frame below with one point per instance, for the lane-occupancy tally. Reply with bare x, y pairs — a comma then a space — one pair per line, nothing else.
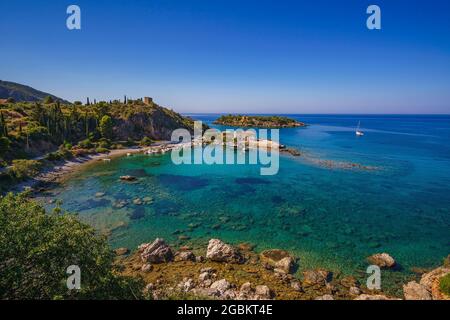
258, 121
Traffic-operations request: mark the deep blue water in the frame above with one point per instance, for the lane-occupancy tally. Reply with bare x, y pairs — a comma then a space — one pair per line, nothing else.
331, 217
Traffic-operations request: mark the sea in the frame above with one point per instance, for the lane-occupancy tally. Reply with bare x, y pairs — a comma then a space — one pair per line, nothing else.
346, 197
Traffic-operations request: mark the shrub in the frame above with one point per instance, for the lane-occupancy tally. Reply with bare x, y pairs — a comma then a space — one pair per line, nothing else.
130, 142
36, 248
53, 156
48, 100
444, 284
145, 142
65, 153
101, 150
104, 143
22, 169
61, 154
86, 144
38, 133
5, 145
67, 145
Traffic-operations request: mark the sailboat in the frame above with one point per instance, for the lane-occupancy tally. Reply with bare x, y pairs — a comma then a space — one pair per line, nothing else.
358, 130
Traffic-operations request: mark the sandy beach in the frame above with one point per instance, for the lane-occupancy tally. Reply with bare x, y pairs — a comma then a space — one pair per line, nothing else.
63, 168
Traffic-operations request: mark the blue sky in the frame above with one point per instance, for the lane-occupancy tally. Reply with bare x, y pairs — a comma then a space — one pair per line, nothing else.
235, 56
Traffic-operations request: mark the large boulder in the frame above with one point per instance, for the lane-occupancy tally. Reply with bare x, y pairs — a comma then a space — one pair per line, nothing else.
316, 277
156, 252
221, 285
184, 256
285, 265
383, 260
415, 291
221, 252
263, 292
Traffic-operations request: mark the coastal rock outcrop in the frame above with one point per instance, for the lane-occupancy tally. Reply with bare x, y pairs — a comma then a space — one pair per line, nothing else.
156, 252
415, 291
383, 260
221, 252
431, 281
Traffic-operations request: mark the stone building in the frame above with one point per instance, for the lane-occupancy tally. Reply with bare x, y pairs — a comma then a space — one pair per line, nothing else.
148, 101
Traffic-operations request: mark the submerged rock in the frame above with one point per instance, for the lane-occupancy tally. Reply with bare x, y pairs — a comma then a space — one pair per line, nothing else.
156, 252
221, 252
121, 251
415, 291
273, 256
383, 260
128, 178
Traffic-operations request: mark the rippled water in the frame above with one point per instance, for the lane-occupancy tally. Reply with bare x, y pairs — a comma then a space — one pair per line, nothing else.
332, 218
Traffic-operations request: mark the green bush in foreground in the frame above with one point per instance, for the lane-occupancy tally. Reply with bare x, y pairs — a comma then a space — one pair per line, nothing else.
444, 284
36, 248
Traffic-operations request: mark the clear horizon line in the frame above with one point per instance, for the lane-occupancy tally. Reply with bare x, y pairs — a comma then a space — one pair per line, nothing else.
322, 113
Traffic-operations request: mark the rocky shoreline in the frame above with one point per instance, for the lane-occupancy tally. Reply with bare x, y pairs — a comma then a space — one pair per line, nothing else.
226, 272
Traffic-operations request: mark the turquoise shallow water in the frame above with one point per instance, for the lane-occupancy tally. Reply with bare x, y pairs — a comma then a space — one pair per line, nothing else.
331, 218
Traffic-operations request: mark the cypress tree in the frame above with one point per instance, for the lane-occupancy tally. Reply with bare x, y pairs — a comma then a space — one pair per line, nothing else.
4, 125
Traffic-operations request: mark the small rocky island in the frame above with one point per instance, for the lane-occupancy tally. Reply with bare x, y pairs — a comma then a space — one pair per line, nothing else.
273, 122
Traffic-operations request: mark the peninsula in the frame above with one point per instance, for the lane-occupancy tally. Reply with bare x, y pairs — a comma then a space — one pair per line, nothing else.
272, 122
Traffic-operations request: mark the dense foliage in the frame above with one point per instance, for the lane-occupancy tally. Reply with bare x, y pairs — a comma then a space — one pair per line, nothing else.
36, 249
444, 284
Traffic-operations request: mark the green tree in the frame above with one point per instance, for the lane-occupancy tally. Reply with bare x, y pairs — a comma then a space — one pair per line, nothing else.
36, 248
106, 127
48, 100
4, 146
4, 125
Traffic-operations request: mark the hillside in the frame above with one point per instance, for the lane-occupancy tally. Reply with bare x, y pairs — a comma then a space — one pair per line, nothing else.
20, 92
33, 129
